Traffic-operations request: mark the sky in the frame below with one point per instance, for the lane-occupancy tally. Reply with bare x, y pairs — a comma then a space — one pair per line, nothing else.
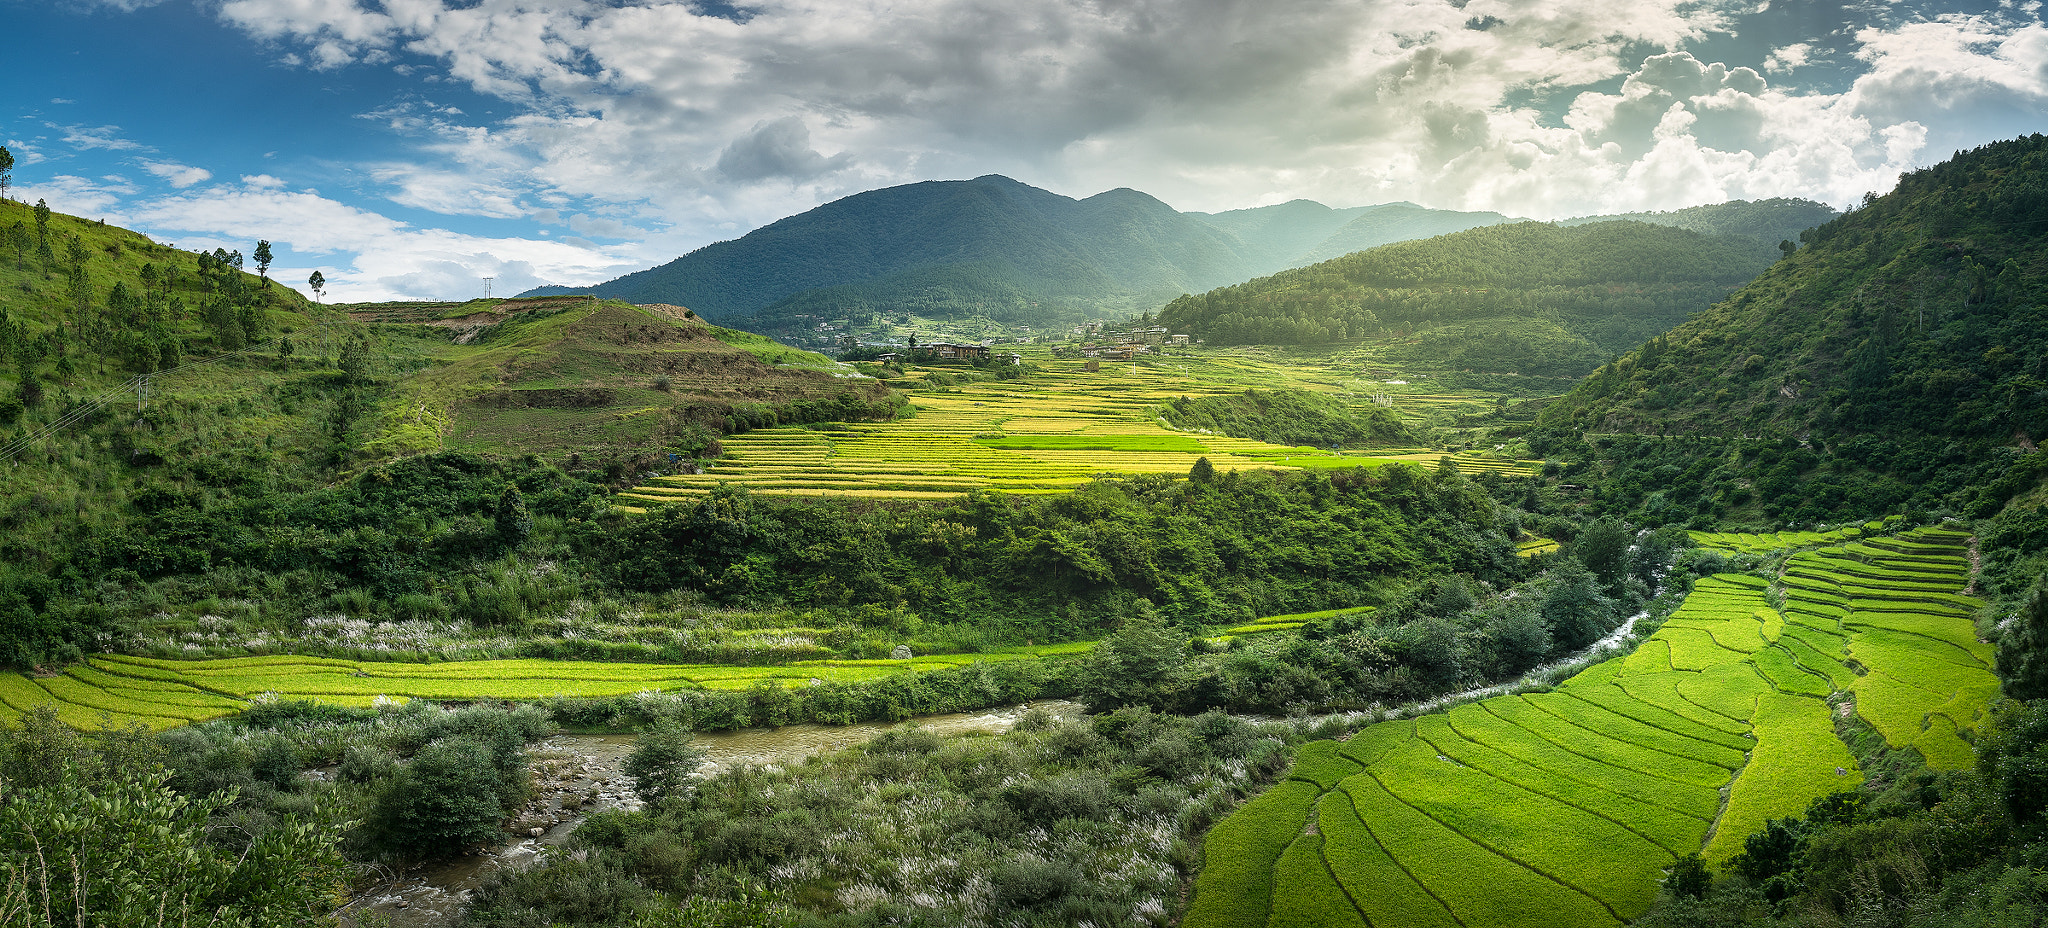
443, 149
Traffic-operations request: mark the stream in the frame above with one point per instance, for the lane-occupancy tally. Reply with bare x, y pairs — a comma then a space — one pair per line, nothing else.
575, 775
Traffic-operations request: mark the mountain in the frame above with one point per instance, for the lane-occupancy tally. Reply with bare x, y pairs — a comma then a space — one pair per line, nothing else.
1896, 363
1921, 313
990, 241
1394, 222
1005, 251
1527, 298
1765, 222
1282, 233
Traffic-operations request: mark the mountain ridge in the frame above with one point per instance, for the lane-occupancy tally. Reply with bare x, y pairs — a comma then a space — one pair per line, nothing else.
996, 247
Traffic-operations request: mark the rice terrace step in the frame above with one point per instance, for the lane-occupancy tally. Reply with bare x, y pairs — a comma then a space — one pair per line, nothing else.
1562, 809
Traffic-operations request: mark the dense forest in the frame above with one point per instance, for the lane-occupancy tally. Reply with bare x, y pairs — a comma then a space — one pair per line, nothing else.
1529, 298
1895, 362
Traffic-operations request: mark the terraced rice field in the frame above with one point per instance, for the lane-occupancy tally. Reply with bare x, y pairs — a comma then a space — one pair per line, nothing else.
1746, 543
166, 693
1050, 434
1281, 623
1562, 809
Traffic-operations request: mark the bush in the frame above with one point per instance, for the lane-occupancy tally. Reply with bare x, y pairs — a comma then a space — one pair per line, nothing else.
662, 762
1027, 881
447, 799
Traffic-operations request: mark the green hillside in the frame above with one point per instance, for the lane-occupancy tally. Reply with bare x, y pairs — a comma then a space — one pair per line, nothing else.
1919, 314
1895, 361
553, 375
1764, 222
989, 245
1529, 298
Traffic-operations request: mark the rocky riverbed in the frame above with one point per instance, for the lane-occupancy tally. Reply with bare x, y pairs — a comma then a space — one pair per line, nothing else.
576, 775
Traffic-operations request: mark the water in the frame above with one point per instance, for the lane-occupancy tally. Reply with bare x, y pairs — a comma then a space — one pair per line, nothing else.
575, 775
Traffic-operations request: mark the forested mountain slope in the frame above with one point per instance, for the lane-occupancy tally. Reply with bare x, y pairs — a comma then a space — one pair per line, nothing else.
1527, 298
1919, 314
990, 240
1898, 362
996, 248
1764, 222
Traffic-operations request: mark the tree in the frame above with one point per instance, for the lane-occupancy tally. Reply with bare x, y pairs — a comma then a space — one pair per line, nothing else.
318, 283
6, 170
1787, 246
1203, 471
2023, 652
1689, 877
355, 359
91, 831
263, 262
1132, 666
662, 762
43, 229
1603, 548
445, 800
1576, 611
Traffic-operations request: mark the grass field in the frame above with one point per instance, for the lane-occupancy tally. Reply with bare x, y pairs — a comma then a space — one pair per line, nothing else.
160, 693
1563, 808
1048, 433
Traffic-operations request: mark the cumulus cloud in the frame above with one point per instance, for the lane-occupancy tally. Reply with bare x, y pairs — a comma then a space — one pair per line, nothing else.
177, 175
684, 120
87, 138
777, 150
368, 256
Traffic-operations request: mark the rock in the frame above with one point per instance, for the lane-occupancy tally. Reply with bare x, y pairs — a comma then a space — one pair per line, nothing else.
536, 831
902, 653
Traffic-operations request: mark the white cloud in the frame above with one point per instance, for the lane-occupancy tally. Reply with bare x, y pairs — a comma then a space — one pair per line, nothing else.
178, 175
87, 138
1791, 56
662, 119
372, 257
79, 196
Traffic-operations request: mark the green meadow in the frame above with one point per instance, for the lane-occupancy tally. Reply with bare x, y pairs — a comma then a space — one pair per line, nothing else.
1562, 809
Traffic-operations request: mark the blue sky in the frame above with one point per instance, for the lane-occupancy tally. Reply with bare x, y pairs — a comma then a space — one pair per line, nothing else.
409, 149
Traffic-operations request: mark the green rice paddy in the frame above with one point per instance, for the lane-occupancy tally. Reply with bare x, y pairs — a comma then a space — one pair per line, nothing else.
1563, 808
1048, 434
110, 690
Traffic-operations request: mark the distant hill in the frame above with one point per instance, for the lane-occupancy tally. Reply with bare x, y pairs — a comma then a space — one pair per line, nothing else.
989, 244
1527, 298
1764, 222
996, 248
1284, 232
539, 375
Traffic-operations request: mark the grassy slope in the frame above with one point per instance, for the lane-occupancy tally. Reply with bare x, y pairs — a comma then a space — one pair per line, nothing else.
556, 375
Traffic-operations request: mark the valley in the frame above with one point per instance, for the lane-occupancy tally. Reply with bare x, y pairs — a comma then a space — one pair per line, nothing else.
407, 542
